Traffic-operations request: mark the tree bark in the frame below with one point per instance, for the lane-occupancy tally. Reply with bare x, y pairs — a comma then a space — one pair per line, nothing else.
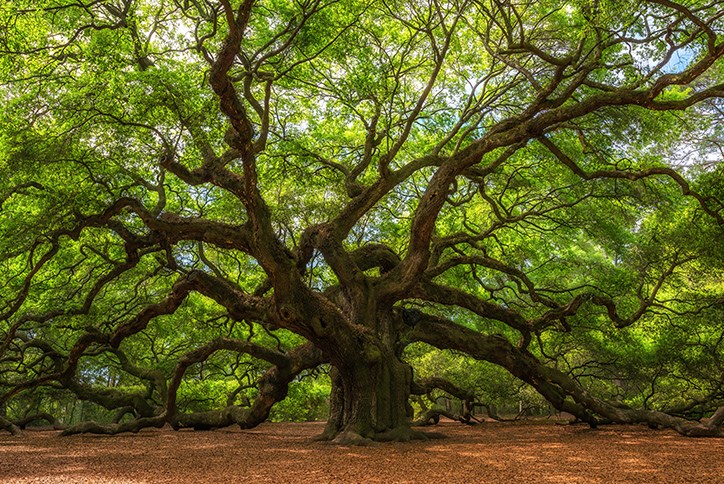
374, 399
134, 426
6, 424
371, 386
27, 420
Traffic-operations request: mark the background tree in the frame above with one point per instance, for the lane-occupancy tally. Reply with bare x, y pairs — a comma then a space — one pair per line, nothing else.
214, 197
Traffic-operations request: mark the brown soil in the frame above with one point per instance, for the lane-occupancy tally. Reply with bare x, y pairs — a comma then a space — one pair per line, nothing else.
490, 452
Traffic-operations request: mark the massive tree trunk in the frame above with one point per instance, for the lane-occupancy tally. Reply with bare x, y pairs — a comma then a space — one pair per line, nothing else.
371, 386
369, 399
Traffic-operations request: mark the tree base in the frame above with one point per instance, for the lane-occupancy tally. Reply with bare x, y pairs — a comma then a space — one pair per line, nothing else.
398, 434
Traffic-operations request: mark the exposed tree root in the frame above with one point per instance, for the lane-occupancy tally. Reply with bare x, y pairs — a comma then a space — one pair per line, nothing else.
351, 438
329, 433
398, 434
405, 434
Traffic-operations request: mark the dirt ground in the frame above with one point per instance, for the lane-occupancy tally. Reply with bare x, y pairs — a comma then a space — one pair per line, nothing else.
274, 452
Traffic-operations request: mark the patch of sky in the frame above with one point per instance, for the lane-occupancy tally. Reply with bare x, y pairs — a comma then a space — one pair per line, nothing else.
680, 61
185, 256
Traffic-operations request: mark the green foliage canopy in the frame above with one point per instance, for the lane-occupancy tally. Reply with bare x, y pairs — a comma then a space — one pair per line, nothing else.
202, 201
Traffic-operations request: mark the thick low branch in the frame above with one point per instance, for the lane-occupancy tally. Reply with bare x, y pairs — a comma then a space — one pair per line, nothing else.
557, 387
6, 424
432, 417
116, 428
426, 385
111, 398
272, 385
50, 419
496, 349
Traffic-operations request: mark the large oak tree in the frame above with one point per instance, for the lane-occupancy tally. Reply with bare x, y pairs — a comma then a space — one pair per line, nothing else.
309, 182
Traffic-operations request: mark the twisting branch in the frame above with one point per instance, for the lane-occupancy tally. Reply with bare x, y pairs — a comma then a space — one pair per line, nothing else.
467, 398
634, 175
6, 424
557, 387
272, 385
